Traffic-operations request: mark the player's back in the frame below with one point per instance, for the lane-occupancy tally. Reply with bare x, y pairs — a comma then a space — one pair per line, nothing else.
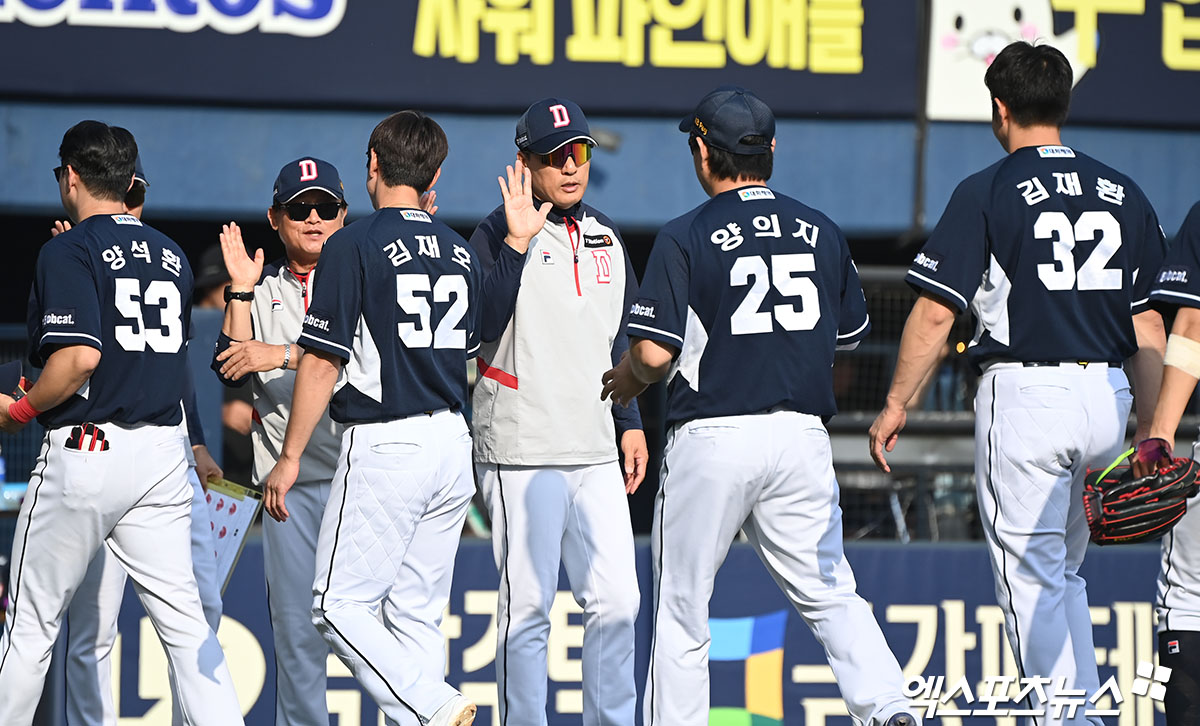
396, 294
116, 284
1066, 240
772, 291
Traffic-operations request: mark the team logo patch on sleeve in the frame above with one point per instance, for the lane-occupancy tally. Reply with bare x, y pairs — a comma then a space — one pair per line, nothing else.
747, 195
929, 262
415, 215
87, 437
597, 241
1173, 275
64, 317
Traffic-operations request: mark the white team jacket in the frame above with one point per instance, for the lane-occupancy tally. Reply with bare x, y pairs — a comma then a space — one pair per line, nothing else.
553, 322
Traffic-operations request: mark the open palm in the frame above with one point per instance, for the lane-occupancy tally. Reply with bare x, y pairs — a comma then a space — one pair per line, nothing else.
243, 271
523, 218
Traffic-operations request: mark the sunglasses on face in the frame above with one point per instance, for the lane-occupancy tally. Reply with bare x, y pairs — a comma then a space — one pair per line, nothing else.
58, 172
580, 151
299, 211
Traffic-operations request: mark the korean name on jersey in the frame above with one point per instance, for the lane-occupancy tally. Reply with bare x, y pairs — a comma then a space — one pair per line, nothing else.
1077, 241
396, 296
120, 286
756, 290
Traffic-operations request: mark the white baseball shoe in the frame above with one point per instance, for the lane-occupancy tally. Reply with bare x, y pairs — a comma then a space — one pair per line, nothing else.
458, 711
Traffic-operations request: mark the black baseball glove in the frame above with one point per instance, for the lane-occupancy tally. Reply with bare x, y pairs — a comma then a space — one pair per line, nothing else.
1123, 509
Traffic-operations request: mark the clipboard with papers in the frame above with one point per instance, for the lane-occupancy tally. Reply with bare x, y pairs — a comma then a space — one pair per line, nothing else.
232, 510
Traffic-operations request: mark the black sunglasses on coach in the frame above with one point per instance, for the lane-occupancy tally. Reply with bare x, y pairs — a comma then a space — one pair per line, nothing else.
299, 211
58, 170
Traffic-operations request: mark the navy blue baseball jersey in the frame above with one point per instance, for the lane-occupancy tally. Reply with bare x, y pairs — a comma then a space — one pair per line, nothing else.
1178, 282
124, 288
755, 290
396, 296
1053, 252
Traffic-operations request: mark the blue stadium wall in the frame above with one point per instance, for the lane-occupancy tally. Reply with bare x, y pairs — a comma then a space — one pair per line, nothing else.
219, 163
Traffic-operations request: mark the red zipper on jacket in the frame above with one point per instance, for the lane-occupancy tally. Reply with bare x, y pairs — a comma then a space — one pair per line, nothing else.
302, 278
573, 225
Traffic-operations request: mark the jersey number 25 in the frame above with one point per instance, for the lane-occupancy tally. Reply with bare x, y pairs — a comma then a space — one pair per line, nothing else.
747, 319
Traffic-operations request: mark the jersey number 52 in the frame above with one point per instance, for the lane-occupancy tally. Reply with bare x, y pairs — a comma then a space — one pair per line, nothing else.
447, 334
782, 273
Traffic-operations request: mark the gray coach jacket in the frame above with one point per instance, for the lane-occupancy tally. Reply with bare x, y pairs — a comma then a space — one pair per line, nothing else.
277, 314
553, 322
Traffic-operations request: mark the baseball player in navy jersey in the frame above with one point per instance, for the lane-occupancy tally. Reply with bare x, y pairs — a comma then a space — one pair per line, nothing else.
92, 616
264, 313
1055, 254
752, 275
108, 317
558, 284
1177, 286
392, 323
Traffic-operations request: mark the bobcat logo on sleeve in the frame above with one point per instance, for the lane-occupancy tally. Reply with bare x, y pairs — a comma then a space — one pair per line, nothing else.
61, 316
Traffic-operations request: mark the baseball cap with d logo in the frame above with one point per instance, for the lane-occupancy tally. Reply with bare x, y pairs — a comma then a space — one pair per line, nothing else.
301, 175
733, 119
550, 123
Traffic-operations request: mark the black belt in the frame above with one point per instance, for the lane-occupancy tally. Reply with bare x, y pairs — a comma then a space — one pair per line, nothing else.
1084, 363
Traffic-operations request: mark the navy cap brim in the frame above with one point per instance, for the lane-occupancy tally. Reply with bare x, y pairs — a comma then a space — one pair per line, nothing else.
554, 141
336, 194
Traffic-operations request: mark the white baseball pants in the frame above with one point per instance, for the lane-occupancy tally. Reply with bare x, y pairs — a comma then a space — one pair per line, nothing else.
387, 543
135, 499
92, 621
1037, 431
579, 515
290, 561
770, 475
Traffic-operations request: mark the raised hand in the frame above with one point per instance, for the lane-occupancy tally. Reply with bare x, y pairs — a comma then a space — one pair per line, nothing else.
523, 218
244, 273
59, 227
429, 202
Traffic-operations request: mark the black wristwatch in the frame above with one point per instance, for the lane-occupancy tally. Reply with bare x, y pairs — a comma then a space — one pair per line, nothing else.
243, 296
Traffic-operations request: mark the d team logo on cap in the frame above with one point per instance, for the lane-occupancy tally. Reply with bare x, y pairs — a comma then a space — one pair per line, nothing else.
302, 175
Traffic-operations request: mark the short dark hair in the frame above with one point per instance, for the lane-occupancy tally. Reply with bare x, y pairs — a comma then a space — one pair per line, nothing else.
136, 196
727, 165
103, 156
1033, 81
409, 147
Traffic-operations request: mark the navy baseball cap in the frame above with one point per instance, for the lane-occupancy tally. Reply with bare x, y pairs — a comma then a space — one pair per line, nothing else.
550, 123
139, 175
305, 174
727, 116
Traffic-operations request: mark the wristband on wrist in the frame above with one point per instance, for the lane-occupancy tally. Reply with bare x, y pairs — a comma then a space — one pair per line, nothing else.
287, 355
22, 411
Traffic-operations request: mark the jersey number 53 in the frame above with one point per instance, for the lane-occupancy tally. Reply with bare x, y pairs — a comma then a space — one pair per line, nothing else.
130, 302
782, 273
